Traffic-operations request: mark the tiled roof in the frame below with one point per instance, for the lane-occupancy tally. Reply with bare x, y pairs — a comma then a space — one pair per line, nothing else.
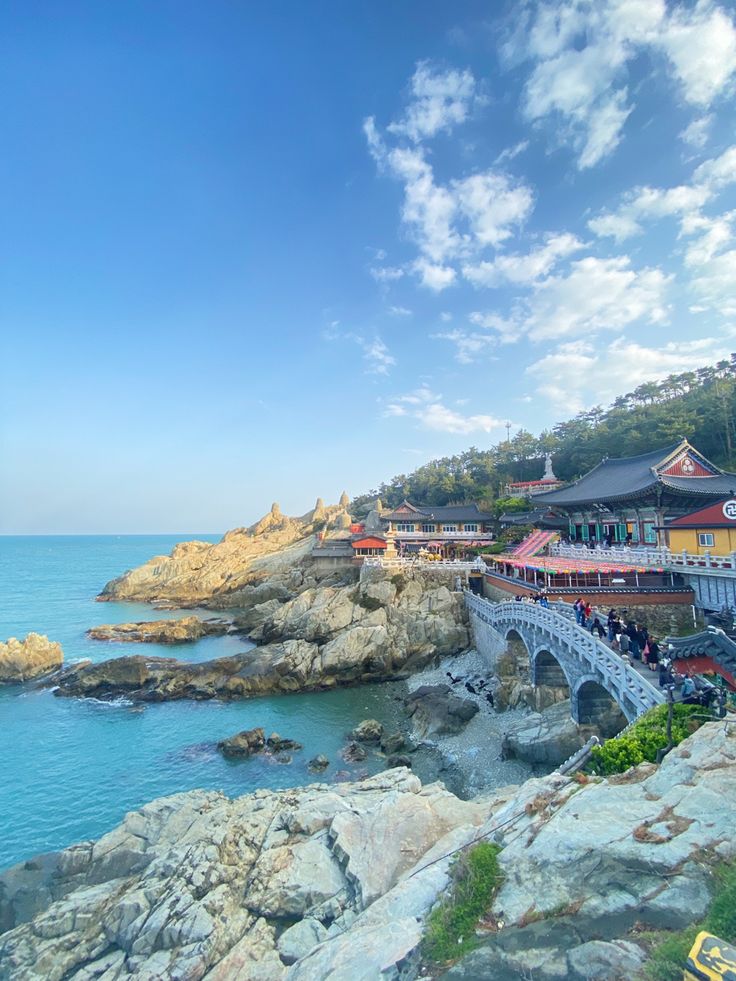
450, 512
626, 477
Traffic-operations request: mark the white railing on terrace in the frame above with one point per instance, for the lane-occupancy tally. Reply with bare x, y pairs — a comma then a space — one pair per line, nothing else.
621, 679
416, 563
643, 556
470, 535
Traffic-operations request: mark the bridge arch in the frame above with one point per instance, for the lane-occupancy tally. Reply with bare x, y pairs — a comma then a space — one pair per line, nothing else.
547, 669
593, 704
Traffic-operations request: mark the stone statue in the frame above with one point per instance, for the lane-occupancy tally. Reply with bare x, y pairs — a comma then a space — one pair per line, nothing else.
548, 471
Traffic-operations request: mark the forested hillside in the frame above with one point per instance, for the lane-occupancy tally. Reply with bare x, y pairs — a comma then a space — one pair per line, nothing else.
699, 405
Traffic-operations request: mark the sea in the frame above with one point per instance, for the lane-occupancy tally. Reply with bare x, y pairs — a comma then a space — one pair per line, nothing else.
71, 768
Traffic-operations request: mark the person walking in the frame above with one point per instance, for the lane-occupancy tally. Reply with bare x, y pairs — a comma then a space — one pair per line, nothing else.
611, 620
578, 608
587, 610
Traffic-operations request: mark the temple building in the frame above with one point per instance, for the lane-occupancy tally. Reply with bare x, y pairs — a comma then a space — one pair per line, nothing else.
448, 531
632, 499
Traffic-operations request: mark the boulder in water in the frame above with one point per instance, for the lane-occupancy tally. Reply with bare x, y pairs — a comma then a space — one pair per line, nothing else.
244, 743
277, 744
369, 731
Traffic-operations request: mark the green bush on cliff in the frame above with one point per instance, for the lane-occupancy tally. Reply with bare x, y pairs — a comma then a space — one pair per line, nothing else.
475, 876
645, 738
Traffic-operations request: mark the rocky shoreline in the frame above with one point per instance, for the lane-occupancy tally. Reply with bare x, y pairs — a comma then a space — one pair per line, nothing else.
184, 630
337, 881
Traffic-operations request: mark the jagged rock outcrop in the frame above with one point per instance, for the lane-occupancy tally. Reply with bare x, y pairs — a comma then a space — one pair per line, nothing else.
326, 636
22, 660
435, 711
329, 882
200, 886
277, 548
181, 631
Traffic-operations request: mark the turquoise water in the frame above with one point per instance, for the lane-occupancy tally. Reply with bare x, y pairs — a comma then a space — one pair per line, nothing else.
71, 768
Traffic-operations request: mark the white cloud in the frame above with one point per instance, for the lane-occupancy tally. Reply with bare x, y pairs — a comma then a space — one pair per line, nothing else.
507, 329
494, 204
717, 173
696, 133
428, 409
469, 345
523, 269
386, 274
713, 234
597, 294
700, 43
683, 202
593, 295
400, 311
577, 376
440, 100
618, 226
511, 152
434, 277
649, 202
376, 355
580, 52
451, 221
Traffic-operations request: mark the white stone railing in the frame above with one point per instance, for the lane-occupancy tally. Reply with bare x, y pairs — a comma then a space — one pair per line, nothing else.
644, 556
417, 563
621, 680
450, 535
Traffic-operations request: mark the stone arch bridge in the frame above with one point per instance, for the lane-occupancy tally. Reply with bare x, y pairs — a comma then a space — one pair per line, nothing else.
563, 653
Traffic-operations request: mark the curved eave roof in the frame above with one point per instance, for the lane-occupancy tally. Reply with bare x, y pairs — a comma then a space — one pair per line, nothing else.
720, 485
611, 480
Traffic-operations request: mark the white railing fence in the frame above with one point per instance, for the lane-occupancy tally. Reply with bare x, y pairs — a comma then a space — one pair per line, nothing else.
644, 556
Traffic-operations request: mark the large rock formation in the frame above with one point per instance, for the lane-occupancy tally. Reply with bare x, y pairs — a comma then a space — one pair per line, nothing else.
332, 882
181, 631
275, 547
325, 637
197, 885
21, 660
547, 737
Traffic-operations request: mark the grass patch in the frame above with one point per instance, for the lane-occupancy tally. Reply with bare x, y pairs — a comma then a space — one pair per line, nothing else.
668, 957
476, 876
645, 738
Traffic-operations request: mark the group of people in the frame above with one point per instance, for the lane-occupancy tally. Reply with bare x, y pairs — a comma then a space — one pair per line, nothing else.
540, 598
629, 638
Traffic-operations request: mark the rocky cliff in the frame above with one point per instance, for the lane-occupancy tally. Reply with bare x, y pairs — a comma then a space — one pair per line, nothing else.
200, 572
21, 660
330, 882
326, 636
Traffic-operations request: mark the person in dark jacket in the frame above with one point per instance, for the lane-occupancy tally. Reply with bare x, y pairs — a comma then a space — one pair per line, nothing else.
653, 656
633, 631
611, 621
597, 628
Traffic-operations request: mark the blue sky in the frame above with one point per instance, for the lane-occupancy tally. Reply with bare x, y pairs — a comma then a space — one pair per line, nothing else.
257, 252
